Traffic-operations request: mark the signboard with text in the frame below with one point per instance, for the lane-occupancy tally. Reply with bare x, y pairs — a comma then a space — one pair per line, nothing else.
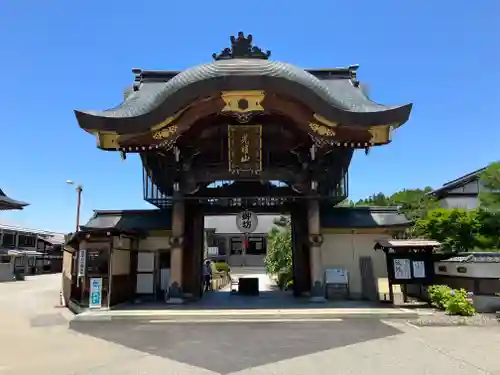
336, 276
82, 262
247, 221
402, 269
95, 297
419, 269
245, 149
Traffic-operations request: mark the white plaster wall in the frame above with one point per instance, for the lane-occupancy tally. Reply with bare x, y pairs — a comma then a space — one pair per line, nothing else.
120, 263
154, 243
472, 187
476, 270
467, 203
344, 250
121, 242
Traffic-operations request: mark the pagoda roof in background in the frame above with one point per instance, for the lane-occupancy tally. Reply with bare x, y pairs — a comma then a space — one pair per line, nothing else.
7, 203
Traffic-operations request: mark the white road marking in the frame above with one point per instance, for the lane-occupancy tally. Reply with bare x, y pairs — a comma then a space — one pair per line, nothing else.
245, 321
412, 325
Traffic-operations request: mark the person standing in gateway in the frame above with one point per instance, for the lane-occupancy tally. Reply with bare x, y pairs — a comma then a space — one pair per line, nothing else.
207, 275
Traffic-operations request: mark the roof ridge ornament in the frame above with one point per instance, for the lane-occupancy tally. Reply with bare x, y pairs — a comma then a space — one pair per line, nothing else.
242, 48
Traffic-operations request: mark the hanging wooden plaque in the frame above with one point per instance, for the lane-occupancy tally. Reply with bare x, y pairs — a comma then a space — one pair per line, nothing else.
245, 149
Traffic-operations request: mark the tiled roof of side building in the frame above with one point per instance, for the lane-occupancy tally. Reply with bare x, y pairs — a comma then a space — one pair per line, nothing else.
363, 217
54, 238
458, 182
475, 257
7, 203
129, 220
336, 217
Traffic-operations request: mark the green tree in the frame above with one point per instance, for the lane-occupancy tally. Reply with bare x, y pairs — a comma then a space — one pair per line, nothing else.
488, 237
489, 208
378, 199
414, 203
490, 195
279, 248
456, 229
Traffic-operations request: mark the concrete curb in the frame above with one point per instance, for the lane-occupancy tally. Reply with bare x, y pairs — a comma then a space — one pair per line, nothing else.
255, 316
67, 314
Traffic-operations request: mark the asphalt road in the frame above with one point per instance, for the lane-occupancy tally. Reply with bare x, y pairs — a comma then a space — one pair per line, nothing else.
229, 347
38, 340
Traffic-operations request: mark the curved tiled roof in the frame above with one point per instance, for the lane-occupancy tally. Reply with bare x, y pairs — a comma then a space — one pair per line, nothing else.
335, 96
339, 93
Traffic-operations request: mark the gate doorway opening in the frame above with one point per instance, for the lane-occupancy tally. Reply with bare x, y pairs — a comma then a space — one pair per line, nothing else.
234, 253
237, 260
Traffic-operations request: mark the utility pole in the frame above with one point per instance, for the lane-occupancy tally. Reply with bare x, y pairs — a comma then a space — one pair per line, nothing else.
79, 189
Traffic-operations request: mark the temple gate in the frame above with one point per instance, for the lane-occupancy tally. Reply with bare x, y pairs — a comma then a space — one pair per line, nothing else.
244, 132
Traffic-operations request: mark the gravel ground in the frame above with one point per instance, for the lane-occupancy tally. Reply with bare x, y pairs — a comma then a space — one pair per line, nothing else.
441, 319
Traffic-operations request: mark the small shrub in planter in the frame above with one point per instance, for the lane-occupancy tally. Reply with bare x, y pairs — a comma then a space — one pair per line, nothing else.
222, 267
284, 279
460, 303
454, 302
439, 295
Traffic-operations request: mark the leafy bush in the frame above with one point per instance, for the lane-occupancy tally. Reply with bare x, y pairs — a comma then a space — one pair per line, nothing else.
278, 259
460, 303
454, 302
222, 267
284, 280
439, 295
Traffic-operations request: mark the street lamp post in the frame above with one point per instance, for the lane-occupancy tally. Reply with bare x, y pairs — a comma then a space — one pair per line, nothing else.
78, 202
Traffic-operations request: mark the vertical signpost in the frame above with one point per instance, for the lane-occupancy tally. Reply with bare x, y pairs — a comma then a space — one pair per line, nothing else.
246, 222
95, 300
82, 262
82, 265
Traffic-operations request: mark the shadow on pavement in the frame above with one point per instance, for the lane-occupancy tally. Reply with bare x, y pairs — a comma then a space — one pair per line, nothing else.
230, 347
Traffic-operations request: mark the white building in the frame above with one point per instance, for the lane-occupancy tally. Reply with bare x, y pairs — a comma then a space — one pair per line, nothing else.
221, 232
42, 250
462, 192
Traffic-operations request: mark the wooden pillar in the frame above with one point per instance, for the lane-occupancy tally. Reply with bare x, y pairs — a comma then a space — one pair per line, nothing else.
110, 302
176, 252
193, 247
300, 250
197, 252
315, 242
389, 264
243, 249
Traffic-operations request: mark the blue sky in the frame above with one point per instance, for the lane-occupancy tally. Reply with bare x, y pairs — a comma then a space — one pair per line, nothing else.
57, 56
